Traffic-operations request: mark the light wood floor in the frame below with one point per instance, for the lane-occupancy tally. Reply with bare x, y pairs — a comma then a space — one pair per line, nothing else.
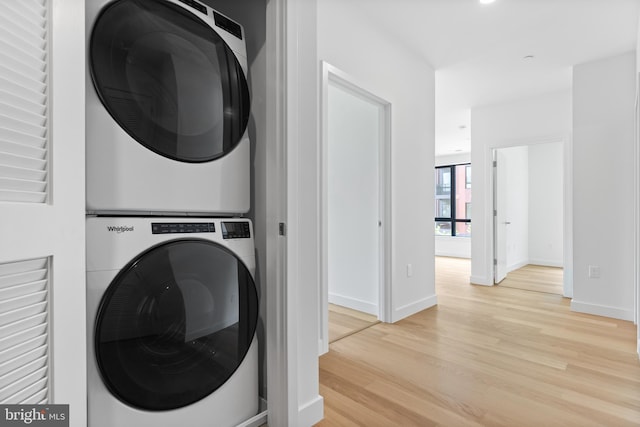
485, 356
535, 278
344, 321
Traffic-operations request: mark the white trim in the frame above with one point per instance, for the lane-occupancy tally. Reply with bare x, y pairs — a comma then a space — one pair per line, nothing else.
354, 304
637, 211
64, 217
280, 347
451, 254
298, 209
546, 263
414, 307
602, 310
311, 412
496, 264
567, 142
567, 243
329, 73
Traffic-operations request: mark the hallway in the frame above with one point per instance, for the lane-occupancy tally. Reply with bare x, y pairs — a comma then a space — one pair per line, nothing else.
485, 356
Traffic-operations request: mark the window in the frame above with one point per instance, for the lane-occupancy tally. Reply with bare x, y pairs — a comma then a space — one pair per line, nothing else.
453, 200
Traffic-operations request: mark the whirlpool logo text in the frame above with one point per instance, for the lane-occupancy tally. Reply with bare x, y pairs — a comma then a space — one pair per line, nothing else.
119, 229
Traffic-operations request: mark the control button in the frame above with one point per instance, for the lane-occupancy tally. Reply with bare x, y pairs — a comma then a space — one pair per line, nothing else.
188, 227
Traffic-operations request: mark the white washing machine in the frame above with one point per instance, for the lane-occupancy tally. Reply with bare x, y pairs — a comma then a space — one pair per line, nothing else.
167, 109
172, 310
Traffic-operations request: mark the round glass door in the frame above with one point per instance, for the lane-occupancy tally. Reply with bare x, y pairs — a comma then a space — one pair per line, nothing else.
169, 80
175, 324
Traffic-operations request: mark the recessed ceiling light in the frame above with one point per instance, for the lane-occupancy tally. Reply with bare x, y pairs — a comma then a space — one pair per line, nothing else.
487, 1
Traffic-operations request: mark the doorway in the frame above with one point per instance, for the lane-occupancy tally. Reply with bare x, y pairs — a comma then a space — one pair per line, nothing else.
355, 209
528, 204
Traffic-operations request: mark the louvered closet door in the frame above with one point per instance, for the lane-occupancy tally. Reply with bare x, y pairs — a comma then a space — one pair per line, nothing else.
23, 101
42, 279
24, 319
24, 298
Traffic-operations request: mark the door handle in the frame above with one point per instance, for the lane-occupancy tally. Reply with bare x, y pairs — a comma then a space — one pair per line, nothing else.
507, 223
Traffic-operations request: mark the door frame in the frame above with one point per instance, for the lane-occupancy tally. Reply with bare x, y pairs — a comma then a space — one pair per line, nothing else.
636, 186
567, 220
497, 216
331, 74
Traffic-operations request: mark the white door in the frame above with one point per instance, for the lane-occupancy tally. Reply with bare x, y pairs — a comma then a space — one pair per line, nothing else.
500, 224
355, 190
42, 286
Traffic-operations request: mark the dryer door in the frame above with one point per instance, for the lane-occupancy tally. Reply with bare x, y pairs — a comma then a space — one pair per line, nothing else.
169, 80
175, 324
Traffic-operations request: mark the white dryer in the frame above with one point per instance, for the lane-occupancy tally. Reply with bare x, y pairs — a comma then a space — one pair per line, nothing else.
167, 109
172, 310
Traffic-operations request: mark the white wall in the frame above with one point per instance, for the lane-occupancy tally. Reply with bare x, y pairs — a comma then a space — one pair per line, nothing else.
516, 169
546, 118
458, 247
349, 42
603, 161
353, 200
546, 183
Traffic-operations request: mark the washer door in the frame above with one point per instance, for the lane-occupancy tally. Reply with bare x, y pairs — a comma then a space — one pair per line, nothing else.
169, 80
175, 324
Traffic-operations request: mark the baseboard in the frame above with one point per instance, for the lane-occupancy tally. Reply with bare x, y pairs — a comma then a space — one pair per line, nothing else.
413, 308
546, 263
602, 310
311, 412
477, 280
323, 347
451, 254
353, 303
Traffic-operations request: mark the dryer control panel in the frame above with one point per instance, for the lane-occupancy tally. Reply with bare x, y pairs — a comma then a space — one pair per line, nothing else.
235, 230
182, 227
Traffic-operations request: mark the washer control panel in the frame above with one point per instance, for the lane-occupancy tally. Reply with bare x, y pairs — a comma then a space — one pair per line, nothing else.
182, 227
235, 230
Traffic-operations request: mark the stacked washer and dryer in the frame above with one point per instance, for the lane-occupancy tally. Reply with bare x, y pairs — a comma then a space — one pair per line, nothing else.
172, 305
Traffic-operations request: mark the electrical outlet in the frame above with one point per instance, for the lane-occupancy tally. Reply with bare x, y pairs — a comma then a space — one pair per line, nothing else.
594, 272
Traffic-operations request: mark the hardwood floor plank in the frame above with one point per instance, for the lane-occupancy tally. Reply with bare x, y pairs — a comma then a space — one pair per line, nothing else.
344, 321
491, 356
535, 278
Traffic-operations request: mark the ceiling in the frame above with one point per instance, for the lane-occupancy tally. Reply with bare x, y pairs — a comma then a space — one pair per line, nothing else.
478, 51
